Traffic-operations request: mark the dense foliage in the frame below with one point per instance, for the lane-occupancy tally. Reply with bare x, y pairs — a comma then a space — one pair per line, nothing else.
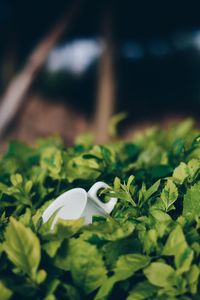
149, 248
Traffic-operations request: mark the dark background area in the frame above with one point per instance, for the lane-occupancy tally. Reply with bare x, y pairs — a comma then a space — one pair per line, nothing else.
157, 48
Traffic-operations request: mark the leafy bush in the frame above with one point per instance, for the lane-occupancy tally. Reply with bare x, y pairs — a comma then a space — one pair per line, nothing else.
149, 248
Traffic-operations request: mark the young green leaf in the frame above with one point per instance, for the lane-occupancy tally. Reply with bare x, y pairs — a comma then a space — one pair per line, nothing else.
169, 195
16, 179
152, 190
122, 190
145, 195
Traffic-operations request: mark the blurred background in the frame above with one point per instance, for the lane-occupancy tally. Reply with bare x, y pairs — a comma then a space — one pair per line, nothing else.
67, 66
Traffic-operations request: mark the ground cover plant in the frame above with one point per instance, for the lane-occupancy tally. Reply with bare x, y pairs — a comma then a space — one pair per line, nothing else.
149, 248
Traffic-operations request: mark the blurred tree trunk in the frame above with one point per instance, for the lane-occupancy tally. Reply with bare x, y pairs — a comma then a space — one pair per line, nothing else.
106, 86
14, 95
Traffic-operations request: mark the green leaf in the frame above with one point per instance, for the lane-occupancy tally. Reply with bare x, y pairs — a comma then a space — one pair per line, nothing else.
191, 203
106, 289
80, 168
176, 242
125, 267
122, 191
152, 190
177, 246
86, 265
169, 194
162, 222
117, 184
145, 195
25, 219
63, 229
128, 264
192, 278
193, 169
183, 260
109, 230
71, 292
160, 274
16, 179
22, 247
115, 120
186, 171
143, 290
180, 173
41, 276
52, 247
67, 228
112, 250
130, 180
152, 156
28, 186
51, 160
5, 293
